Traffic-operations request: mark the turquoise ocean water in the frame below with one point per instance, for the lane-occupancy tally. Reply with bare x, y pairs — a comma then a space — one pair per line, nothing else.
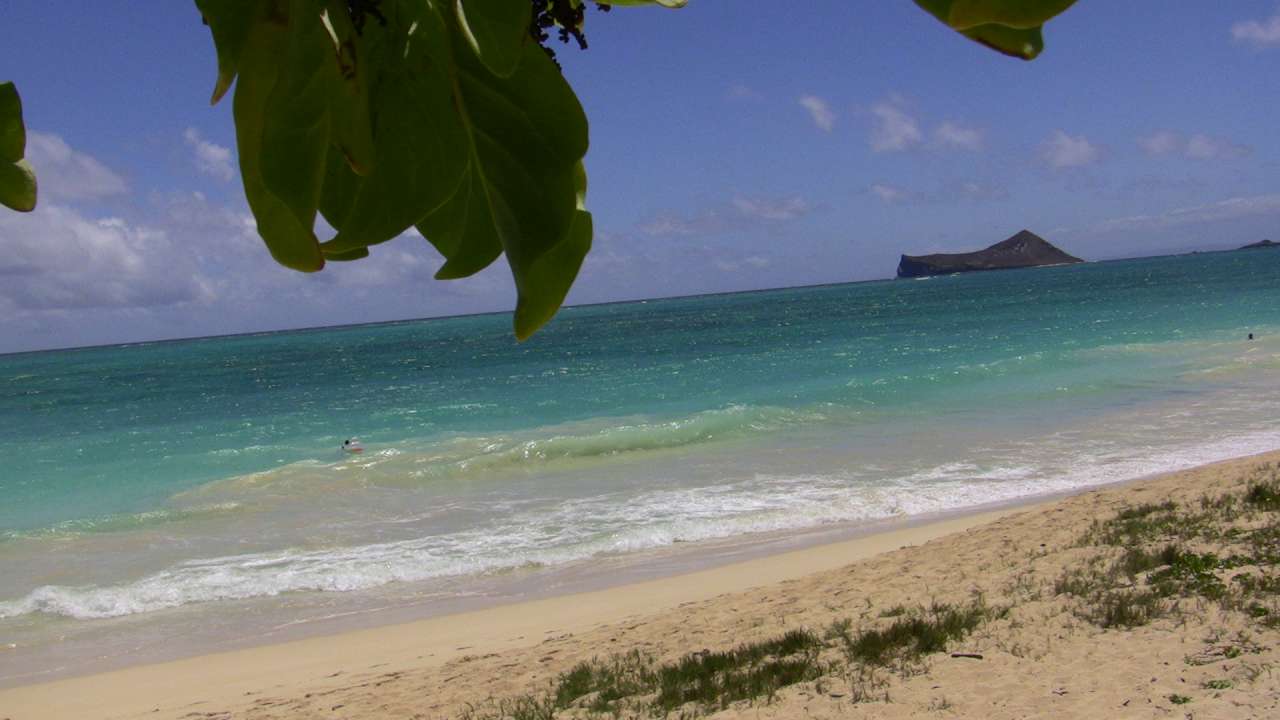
193, 495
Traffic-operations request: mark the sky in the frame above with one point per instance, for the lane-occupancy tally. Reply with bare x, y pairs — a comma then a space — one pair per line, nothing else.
734, 146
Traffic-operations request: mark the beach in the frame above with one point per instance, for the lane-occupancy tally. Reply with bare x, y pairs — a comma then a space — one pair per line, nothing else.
189, 500
1040, 658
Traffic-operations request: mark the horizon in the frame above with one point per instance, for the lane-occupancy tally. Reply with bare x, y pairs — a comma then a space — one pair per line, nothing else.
803, 151
624, 301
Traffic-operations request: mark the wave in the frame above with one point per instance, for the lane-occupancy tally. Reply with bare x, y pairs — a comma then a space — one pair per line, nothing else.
586, 528
120, 522
563, 446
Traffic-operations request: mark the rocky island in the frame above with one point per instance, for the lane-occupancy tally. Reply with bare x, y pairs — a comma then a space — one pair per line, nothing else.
1259, 245
1025, 249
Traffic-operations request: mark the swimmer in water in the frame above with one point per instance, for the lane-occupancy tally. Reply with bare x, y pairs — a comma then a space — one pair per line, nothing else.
352, 445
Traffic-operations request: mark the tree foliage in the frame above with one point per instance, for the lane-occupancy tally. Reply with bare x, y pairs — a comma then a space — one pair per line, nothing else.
17, 180
450, 117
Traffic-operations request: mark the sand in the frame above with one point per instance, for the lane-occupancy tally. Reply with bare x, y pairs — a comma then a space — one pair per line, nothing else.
1041, 658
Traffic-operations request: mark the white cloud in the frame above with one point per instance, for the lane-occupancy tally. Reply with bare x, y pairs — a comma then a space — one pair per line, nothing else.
742, 91
889, 193
1063, 151
773, 208
65, 174
1259, 33
1162, 142
894, 129
1229, 209
1203, 147
211, 158
739, 214
58, 259
1196, 147
949, 134
820, 111
670, 224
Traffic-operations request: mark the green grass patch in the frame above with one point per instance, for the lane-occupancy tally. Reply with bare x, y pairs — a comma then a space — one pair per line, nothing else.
1221, 684
1177, 699
911, 637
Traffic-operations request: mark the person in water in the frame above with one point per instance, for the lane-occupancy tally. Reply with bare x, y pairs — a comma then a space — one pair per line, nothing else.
352, 445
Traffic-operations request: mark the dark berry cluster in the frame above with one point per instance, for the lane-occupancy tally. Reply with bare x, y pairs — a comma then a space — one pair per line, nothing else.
359, 8
564, 14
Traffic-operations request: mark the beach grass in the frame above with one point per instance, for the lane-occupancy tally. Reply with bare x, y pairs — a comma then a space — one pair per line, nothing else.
1147, 562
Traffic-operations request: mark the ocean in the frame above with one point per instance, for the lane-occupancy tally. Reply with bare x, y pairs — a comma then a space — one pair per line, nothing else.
169, 498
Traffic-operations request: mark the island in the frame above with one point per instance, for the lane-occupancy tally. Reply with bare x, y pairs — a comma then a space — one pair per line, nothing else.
1259, 245
1025, 249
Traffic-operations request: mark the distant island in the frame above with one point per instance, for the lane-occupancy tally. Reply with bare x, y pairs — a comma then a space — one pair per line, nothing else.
1025, 249
1258, 245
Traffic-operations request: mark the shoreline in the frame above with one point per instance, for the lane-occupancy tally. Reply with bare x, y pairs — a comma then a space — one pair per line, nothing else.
603, 574
228, 678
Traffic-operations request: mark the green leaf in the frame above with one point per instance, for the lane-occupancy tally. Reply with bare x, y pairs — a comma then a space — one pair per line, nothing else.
497, 30
295, 130
1012, 27
1014, 42
351, 126
338, 192
544, 283
421, 145
528, 133
1025, 14
17, 179
290, 239
229, 22
348, 256
17, 186
13, 134
463, 231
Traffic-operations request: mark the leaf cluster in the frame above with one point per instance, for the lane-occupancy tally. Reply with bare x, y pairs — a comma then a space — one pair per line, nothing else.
17, 179
388, 116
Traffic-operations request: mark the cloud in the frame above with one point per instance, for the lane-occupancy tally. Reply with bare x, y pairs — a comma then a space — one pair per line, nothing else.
739, 214
742, 91
889, 194
773, 208
1062, 151
211, 158
894, 129
819, 111
1229, 209
1197, 147
65, 174
1162, 142
951, 135
947, 193
58, 259
1259, 33
706, 222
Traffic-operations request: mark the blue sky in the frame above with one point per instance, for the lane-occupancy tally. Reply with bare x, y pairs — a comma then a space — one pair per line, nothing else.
735, 146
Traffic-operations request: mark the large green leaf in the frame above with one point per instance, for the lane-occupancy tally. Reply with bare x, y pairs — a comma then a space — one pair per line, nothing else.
497, 31
295, 128
17, 179
17, 186
13, 134
289, 238
462, 230
228, 23
528, 135
422, 149
1010, 13
1021, 43
1012, 27
350, 123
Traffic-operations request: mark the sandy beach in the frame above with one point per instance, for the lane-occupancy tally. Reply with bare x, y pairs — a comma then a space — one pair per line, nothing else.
1040, 649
